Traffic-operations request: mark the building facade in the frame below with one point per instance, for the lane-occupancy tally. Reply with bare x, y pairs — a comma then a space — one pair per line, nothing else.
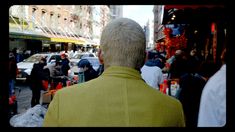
158, 11
116, 11
72, 24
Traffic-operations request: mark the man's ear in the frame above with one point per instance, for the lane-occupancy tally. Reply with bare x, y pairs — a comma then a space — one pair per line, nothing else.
100, 56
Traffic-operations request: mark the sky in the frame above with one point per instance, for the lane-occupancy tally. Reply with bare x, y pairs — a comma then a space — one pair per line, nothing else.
139, 13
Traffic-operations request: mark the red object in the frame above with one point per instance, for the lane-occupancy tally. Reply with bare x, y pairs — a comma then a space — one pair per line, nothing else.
174, 43
163, 86
45, 84
213, 27
11, 101
63, 55
59, 86
13, 97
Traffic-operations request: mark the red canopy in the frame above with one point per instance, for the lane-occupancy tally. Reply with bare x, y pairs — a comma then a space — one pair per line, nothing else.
191, 6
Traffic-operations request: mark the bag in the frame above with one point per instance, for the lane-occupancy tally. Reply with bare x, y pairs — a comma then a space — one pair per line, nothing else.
45, 85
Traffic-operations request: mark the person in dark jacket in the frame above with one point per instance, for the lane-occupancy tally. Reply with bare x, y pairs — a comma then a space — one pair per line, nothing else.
39, 73
12, 73
64, 67
64, 64
192, 83
85, 67
179, 65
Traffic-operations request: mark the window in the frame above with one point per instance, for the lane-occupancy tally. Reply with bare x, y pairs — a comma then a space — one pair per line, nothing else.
51, 19
58, 20
43, 18
33, 16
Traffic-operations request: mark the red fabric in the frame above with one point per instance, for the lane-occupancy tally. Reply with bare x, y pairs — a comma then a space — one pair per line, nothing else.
45, 84
59, 86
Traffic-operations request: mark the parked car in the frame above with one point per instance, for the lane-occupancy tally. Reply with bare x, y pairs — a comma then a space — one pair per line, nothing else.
93, 60
25, 67
78, 56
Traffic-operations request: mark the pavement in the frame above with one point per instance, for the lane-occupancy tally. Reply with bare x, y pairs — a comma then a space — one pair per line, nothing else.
23, 97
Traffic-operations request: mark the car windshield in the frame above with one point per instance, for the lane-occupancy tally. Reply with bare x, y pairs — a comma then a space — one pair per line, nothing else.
35, 58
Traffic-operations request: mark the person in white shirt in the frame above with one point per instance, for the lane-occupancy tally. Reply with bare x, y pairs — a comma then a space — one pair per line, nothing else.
212, 111
152, 74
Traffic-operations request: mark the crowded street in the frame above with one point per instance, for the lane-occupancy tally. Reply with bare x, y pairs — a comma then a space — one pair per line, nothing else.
114, 65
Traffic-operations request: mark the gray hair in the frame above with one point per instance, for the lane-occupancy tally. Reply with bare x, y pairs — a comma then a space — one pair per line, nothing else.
123, 43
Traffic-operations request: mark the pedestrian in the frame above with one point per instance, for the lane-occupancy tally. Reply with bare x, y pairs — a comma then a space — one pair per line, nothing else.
56, 73
191, 85
152, 74
212, 112
86, 69
64, 67
38, 73
14, 51
178, 66
119, 96
13, 70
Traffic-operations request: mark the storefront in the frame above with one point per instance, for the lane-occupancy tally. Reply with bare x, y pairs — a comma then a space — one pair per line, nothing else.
23, 41
205, 27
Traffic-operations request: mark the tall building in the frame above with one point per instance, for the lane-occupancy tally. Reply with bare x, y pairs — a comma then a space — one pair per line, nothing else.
147, 34
105, 16
158, 11
148, 30
116, 11
96, 14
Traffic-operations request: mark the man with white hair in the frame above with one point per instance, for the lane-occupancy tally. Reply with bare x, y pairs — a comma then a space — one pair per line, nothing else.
118, 97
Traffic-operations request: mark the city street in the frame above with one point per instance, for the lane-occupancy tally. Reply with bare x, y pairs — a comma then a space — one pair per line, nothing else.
177, 50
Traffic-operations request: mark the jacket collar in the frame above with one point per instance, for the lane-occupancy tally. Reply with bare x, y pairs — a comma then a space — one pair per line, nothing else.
120, 71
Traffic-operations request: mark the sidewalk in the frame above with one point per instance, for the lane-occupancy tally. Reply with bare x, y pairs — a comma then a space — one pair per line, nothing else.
23, 98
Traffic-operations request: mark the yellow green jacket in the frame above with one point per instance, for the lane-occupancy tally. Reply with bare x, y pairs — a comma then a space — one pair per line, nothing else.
119, 97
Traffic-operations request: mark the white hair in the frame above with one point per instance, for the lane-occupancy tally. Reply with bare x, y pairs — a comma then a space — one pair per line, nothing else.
123, 44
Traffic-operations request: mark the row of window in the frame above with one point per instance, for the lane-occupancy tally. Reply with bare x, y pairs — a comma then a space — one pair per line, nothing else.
52, 18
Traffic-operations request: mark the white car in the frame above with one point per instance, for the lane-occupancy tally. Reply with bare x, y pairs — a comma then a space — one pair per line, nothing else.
25, 67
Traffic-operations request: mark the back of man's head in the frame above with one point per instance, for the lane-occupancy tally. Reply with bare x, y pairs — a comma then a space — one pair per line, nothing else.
123, 44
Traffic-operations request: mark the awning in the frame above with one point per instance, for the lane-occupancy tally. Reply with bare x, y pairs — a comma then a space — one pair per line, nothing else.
27, 36
67, 40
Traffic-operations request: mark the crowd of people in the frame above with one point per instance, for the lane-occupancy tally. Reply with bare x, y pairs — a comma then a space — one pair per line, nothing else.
41, 76
125, 89
192, 70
